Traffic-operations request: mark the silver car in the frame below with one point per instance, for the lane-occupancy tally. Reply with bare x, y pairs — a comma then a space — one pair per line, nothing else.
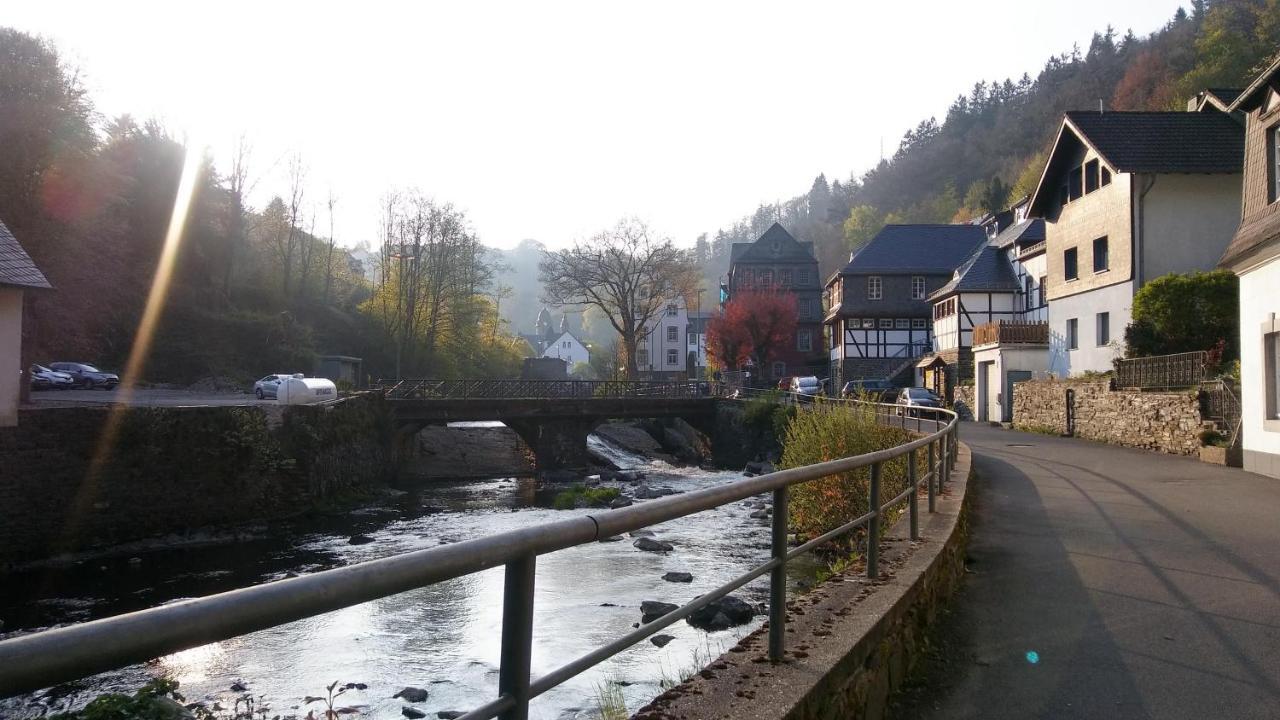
267, 386
912, 399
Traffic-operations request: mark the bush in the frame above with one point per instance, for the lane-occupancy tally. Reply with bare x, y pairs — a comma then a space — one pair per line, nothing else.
831, 432
1178, 313
579, 496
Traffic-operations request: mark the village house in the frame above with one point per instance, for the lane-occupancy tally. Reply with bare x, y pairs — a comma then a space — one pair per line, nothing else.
777, 261
879, 317
1127, 197
661, 352
569, 348
18, 274
1254, 256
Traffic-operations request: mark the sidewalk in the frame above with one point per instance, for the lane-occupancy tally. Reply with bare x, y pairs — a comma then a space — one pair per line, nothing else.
1110, 583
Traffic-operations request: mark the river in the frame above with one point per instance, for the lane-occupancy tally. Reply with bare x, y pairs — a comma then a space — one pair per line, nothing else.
443, 638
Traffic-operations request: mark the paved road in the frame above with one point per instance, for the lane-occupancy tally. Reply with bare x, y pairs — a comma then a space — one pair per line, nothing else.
1110, 583
142, 396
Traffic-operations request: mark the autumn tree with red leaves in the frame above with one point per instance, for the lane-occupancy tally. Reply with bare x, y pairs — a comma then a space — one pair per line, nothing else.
755, 325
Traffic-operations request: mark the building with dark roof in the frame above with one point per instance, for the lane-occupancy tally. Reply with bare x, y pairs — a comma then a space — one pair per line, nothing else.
778, 261
1254, 256
879, 318
1127, 197
18, 274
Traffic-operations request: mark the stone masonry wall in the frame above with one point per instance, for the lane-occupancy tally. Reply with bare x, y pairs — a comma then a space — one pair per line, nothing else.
963, 402
1164, 421
66, 485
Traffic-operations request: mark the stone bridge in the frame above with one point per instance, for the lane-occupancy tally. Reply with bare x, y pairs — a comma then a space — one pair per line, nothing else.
553, 417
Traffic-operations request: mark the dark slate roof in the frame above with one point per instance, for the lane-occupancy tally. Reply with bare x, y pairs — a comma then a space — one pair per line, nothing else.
775, 245
916, 249
1164, 142
16, 267
987, 271
1225, 95
1027, 232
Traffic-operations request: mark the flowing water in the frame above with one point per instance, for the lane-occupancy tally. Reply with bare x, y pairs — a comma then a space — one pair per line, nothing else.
444, 638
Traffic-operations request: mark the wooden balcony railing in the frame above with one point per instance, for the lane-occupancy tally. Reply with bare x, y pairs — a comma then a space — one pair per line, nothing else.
1004, 333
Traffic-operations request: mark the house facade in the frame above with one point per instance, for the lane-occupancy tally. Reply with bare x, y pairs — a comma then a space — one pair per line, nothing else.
18, 274
662, 350
569, 348
1254, 256
879, 319
776, 261
1127, 197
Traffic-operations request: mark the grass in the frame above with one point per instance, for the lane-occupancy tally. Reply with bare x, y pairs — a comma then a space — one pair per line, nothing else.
578, 496
610, 704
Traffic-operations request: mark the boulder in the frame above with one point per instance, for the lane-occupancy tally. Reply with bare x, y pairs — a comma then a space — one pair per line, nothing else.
359, 540
412, 713
758, 467
679, 446
651, 545
620, 502
680, 577
651, 610
727, 612
760, 515
412, 694
449, 714
661, 640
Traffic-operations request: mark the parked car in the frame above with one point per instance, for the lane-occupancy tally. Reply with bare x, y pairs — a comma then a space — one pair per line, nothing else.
913, 398
268, 386
807, 386
43, 378
873, 389
784, 382
87, 376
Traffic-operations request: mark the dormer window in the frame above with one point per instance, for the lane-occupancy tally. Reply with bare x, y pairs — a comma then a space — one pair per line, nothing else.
1075, 183
1090, 176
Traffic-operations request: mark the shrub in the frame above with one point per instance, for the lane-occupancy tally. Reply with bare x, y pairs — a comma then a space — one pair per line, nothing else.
831, 432
1186, 312
579, 496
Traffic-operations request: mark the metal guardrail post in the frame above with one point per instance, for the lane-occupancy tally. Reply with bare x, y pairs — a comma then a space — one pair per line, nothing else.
517, 636
778, 578
913, 503
933, 479
873, 526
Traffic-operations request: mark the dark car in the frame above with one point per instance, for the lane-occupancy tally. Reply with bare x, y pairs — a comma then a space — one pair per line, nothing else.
917, 397
875, 390
42, 378
87, 376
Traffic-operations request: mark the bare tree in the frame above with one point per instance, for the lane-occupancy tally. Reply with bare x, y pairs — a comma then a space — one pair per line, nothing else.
238, 231
625, 272
286, 239
328, 261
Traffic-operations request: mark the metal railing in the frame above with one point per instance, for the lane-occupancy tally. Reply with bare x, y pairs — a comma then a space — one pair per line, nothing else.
1163, 371
47, 658
541, 389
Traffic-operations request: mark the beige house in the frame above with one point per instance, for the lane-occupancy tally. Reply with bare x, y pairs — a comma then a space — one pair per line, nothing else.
1127, 197
17, 274
1254, 255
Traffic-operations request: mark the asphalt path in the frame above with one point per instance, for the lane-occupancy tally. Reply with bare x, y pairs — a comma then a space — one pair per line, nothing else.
1106, 582
141, 396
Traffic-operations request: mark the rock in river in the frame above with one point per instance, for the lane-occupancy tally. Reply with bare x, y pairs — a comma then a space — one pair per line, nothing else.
651, 545
661, 640
722, 614
449, 714
760, 515
412, 713
412, 694
651, 610
360, 540
683, 577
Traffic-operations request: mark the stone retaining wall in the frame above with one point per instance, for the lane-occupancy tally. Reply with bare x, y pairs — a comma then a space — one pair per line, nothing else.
1163, 421
66, 485
963, 402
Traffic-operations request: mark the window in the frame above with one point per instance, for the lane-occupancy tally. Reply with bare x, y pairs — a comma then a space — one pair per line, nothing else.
784, 278
642, 357
886, 323
1106, 177
1075, 182
746, 277
766, 278
917, 287
1069, 270
1073, 334
874, 289
673, 357
852, 324
672, 311
1064, 195
918, 324
1100, 260
672, 334
805, 308
1273, 139
1027, 291
1104, 328
802, 277
868, 323
1271, 356
804, 340
1090, 176
902, 324
1044, 290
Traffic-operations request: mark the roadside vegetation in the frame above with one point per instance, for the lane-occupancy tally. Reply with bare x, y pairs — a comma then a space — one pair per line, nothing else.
580, 496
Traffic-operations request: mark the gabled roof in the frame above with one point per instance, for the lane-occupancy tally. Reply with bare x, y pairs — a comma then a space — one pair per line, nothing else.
1146, 142
16, 266
775, 245
1220, 98
1026, 232
918, 249
561, 336
1251, 96
988, 270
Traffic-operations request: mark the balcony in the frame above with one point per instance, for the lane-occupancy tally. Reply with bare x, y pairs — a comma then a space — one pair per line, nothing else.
1004, 333
1031, 249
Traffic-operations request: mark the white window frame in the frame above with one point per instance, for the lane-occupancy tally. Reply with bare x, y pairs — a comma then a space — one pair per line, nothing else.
673, 357
919, 324
886, 323
804, 340
917, 287
875, 288
901, 324
673, 333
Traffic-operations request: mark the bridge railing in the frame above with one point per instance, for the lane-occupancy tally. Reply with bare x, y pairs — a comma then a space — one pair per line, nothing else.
543, 389
50, 657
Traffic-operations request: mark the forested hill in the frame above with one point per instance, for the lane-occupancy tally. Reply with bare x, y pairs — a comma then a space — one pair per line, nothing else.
990, 146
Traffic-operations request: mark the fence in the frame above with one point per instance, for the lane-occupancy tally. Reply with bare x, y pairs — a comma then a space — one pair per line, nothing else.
542, 389
1162, 372
1220, 402
50, 657
1004, 332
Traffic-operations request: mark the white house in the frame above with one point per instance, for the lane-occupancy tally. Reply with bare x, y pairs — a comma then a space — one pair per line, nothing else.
1254, 255
662, 350
1127, 197
17, 275
569, 348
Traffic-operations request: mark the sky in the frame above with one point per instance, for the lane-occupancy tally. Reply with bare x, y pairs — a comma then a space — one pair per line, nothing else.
552, 120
